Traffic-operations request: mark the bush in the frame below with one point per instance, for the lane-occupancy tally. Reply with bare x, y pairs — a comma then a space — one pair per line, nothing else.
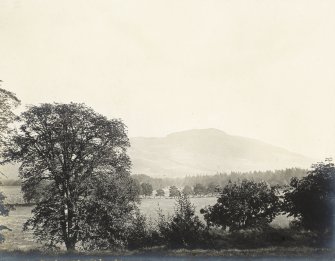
183, 229
311, 199
243, 205
141, 233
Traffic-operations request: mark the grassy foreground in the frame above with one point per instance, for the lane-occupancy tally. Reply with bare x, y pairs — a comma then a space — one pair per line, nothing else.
272, 253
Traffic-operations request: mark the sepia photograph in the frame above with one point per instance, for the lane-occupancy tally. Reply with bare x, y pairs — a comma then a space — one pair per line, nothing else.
143, 130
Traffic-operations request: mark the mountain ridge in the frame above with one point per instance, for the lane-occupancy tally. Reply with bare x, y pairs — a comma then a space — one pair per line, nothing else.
208, 151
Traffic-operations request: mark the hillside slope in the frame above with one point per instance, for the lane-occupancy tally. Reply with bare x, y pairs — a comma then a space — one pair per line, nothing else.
207, 151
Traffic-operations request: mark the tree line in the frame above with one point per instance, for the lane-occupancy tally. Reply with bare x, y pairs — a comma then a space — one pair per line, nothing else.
275, 177
146, 189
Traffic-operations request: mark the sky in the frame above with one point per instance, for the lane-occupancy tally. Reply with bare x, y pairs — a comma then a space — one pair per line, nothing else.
260, 69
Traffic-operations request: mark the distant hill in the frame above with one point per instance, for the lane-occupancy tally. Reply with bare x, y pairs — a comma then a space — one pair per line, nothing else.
202, 152
208, 151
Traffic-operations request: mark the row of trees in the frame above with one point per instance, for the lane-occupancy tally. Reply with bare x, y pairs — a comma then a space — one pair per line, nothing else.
274, 177
146, 189
247, 208
198, 190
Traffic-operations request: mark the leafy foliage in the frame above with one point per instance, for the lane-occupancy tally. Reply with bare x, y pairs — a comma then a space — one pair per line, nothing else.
273, 178
108, 212
146, 189
174, 192
184, 228
8, 102
243, 205
312, 199
160, 193
4, 210
142, 233
75, 167
199, 189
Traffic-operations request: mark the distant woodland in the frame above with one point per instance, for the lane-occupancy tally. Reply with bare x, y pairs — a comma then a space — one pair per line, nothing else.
277, 177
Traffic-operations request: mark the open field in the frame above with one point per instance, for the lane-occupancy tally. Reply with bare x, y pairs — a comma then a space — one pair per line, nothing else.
16, 239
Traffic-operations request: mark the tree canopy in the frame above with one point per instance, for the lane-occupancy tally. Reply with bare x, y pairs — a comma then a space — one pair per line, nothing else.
311, 199
146, 189
160, 193
243, 205
75, 167
173, 192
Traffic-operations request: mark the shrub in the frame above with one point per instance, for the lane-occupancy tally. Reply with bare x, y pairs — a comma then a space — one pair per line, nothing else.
141, 233
243, 205
184, 228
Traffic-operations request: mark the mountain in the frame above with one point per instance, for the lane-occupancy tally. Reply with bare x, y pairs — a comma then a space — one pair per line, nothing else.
204, 151
207, 151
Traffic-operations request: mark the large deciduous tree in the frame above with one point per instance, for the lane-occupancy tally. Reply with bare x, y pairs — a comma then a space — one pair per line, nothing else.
146, 189
74, 166
243, 205
311, 199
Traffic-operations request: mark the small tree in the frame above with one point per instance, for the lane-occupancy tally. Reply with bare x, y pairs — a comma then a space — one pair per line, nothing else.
160, 193
311, 199
199, 189
187, 190
146, 189
184, 228
243, 205
174, 192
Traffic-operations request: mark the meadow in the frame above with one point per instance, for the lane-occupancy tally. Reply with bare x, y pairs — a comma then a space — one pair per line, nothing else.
150, 207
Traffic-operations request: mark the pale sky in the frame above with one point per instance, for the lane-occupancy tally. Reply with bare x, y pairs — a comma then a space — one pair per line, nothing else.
261, 69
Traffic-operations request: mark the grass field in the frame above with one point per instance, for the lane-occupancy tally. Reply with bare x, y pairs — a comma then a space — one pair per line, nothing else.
16, 239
